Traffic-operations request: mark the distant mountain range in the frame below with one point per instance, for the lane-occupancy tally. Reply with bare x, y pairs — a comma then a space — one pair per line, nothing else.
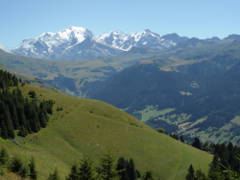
77, 43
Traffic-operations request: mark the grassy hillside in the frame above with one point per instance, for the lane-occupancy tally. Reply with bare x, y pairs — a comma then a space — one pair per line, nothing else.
91, 128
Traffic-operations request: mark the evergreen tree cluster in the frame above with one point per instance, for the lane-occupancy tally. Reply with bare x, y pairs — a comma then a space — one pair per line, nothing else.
228, 156
126, 169
26, 115
7, 80
224, 166
205, 146
107, 169
17, 166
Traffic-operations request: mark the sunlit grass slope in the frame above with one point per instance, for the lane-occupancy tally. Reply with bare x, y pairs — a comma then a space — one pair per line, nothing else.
91, 128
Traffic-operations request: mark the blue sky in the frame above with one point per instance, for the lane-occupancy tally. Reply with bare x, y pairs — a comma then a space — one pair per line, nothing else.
22, 19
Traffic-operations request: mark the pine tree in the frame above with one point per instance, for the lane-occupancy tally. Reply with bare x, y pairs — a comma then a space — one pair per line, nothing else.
147, 176
73, 174
32, 170
121, 168
16, 165
215, 170
85, 170
131, 170
197, 143
199, 175
215, 164
22, 131
190, 174
4, 157
24, 171
4, 131
14, 116
32, 94
9, 124
106, 169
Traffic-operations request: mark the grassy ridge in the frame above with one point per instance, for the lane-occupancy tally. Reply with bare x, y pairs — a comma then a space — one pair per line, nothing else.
90, 128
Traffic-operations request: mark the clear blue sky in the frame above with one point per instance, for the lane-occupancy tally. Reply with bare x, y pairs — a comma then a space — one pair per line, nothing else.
20, 19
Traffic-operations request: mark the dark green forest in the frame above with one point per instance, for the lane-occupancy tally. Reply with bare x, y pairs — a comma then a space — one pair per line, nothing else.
20, 115
224, 166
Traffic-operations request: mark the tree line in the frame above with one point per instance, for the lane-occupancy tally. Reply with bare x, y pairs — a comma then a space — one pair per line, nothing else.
107, 169
224, 166
19, 114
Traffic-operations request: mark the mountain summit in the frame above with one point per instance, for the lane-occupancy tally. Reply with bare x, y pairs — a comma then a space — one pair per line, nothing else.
144, 39
78, 42
72, 43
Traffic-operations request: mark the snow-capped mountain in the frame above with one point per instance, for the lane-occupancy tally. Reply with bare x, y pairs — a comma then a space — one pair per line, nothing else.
72, 43
78, 43
116, 39
125, 42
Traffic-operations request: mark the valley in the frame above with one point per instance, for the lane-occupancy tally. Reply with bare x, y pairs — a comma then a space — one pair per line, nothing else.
195, 78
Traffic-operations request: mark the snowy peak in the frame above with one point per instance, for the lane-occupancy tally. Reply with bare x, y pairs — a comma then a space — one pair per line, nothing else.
50, 44
116, 39
50, 39
145, 34
79, 42
77, 33
144, 39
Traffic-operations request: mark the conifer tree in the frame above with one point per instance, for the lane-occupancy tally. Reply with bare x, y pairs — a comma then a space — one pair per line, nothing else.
191, 173
73, 174
32, 170
24, 171
9, 124
197, 143
199, 175
85, 171
16, 165
215, 169
106, 169
147, 176
4, 157
121, 168
131, 170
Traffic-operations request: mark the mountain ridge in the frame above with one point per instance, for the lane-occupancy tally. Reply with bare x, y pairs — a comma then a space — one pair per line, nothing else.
78, 43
